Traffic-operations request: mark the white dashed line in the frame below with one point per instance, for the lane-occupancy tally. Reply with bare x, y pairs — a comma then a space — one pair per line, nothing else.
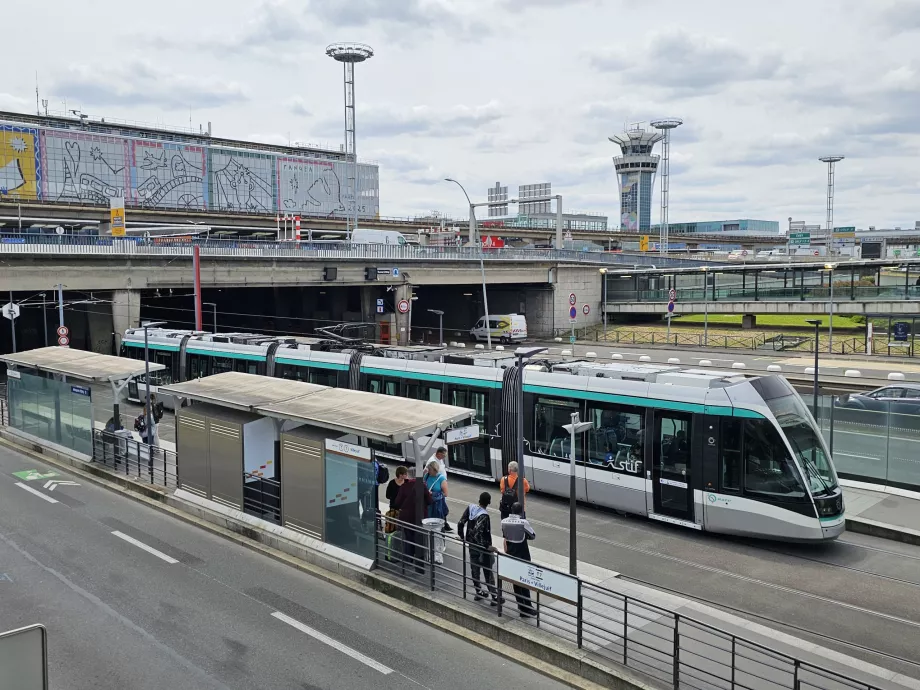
36, 492
148, 549
335, 644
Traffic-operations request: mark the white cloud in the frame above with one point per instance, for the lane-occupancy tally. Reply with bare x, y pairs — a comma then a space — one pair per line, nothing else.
523, 92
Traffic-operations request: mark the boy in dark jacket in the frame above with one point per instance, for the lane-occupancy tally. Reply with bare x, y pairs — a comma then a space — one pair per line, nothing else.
475, 527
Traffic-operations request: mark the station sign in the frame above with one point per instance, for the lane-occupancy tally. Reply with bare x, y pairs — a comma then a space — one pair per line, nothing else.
548, 582
900, 331
462, 434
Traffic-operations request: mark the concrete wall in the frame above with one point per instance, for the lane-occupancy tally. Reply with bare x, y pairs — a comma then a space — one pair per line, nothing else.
585, 282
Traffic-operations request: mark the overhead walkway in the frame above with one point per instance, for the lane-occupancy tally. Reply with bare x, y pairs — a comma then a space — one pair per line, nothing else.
855, 287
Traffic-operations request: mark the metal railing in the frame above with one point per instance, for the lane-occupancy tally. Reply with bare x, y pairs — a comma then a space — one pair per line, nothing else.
133, 458
86, 245
262, 497
632, 337
674, 650
806, 293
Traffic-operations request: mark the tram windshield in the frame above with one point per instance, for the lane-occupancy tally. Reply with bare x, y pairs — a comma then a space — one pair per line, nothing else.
796, 424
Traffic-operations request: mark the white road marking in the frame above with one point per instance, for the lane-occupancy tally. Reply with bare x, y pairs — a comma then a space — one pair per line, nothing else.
142, 545
36, 492
335, 644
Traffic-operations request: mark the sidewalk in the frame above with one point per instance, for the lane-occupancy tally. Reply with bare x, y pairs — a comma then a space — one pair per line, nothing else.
881, 514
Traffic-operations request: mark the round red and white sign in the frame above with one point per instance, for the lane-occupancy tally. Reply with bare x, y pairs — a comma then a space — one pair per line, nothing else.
63, 341
817, 253
586, 310
572, 299
672, 295
744, 252
63, 331
402, 306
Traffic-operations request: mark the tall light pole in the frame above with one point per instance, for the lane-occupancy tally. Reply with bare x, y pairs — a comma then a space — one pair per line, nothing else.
816, 323
522, 354
212, 304
831, 162
665, 125
472, 232
603, 272
45, 318
482, 267
440, 324
147, 410
705, 270
574, 429
349, 54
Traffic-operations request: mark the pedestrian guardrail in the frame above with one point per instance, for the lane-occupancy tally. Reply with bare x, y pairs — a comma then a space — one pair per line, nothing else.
128, 456
674, 650
30, 244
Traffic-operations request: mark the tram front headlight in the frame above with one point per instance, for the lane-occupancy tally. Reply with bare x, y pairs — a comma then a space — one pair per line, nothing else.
830, 506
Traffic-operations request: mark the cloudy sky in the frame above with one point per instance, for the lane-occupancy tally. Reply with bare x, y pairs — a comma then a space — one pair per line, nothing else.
523, 91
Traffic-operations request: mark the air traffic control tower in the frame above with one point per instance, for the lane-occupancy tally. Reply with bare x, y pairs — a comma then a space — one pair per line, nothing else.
636, 175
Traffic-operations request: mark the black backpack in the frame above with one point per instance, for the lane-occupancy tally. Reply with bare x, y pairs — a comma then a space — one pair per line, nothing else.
383, 473
509, 495
479, 532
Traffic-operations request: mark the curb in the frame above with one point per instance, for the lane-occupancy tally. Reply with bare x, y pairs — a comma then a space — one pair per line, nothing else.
882, 530
551, 657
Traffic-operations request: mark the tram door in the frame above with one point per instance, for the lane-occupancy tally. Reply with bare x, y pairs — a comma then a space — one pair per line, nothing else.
671, 465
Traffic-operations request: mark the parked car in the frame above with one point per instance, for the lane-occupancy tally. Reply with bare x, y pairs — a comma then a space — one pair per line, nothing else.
902, 397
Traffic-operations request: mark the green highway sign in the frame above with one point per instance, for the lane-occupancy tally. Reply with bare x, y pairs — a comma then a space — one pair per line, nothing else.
33, 475
800, 238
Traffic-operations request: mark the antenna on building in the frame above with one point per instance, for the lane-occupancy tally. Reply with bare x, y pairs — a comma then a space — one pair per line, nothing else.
37, 109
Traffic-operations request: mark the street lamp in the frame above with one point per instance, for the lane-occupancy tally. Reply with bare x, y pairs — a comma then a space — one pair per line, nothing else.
147, 411
212, 304
440, 324
522, 353
816, 323
830, 324
472, 233
603, 272
482, 268
45, 318
574, 429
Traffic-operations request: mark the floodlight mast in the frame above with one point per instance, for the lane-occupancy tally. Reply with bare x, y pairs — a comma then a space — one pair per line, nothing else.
665, 125
829, 230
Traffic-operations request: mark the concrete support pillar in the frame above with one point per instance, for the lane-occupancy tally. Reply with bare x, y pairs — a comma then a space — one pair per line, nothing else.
749, 321
403, 292
126, 312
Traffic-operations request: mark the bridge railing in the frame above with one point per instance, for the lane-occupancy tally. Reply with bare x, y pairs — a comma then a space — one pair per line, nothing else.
70, 245
807, 293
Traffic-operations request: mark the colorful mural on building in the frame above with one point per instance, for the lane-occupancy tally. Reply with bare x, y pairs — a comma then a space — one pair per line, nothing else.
20, 163
80, 166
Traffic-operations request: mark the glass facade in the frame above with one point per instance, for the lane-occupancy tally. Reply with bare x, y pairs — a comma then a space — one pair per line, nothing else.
351, 498
713, 227
646, 180
55, 411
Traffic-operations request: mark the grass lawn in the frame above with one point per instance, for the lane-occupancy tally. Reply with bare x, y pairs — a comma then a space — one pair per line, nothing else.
770, 320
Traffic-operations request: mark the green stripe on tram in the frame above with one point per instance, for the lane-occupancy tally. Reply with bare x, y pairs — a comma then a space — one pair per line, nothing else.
311, 364
675, 405
440, 378
152, 346
229, 355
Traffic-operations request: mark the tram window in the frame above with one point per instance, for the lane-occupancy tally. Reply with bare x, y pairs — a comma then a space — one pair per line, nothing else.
767, 466
292, 373
433, 394
374, 385
616, 440
674, 440
219, 365
321, 377
731, 453
390, 387
478, 400
549, 437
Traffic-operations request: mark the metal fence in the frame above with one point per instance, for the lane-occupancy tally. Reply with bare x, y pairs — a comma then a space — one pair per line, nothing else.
262, 497
32, 244
632, 337
674, 650
128, 456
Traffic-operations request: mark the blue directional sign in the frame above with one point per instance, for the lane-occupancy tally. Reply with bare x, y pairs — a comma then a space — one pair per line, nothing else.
900, 330
670, 306
573, 313
396, 273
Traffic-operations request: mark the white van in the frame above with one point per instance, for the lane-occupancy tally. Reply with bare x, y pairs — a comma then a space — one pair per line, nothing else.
505, 328
362, 236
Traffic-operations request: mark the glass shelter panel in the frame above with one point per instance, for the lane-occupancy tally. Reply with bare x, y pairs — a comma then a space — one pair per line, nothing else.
351, 498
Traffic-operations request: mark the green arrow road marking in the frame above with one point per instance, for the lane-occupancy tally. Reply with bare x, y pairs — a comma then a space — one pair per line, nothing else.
33, 475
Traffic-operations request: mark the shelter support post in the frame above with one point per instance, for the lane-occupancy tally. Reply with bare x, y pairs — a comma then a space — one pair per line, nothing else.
126, 312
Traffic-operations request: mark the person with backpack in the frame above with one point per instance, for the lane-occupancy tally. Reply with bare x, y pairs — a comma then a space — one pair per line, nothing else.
509, 492
475, 527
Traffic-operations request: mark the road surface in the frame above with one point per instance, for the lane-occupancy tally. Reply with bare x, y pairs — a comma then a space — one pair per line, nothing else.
133, 598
